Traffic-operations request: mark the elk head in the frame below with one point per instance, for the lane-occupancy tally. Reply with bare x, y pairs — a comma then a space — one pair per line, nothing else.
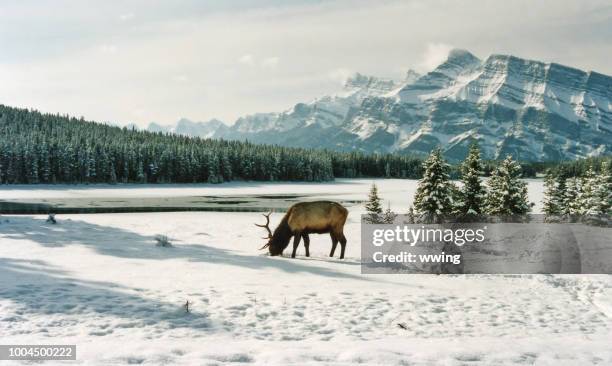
277, 241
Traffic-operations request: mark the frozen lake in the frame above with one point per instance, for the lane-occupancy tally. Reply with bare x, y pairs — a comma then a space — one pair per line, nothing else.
235, 196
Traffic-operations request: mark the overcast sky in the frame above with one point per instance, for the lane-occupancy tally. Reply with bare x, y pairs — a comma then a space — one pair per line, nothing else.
140, 61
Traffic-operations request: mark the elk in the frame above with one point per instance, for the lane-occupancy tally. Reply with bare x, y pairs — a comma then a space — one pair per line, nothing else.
305, 218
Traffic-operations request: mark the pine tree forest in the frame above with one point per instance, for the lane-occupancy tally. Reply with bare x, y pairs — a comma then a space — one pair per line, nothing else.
48, 148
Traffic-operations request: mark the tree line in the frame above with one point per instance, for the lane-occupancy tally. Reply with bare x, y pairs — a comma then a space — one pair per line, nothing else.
533, 169
574, 191
51, 148
438, 199
572, 197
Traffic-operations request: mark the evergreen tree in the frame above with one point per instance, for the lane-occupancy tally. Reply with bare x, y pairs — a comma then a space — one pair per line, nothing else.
373, 206
472, 193
507, 193
410, 216
553, 195
433, 198
388, 216
571, 198
588, 198
603, 191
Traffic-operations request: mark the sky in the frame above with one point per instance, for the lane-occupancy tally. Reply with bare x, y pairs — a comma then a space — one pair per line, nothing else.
139, 61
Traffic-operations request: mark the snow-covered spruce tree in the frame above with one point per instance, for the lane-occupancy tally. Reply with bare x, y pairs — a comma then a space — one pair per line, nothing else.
588, 197
507, 193
603, 191
571, 206
472, 193
373, 206
433, 198
596, 194
410, 216
553, 194
388, 216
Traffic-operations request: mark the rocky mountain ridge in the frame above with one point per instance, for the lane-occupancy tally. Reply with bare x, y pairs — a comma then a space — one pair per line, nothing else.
533, 110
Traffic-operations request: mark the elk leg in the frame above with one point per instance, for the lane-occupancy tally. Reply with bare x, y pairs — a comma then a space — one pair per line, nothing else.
306, 244
342, 245
334, 244
296, 242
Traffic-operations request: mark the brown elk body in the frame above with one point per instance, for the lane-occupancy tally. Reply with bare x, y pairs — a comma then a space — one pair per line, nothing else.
305, 218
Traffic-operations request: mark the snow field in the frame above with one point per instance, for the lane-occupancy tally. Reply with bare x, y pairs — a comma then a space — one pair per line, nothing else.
100, 282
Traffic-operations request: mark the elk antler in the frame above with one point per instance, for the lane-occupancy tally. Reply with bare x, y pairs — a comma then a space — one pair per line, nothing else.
267, 227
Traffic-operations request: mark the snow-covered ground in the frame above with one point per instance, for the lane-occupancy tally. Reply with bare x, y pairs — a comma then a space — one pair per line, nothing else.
99, 281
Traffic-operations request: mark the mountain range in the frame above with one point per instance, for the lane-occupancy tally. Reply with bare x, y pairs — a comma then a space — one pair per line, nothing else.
534, 110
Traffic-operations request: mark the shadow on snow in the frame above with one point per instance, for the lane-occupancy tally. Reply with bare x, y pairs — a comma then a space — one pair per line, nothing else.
39, 288
122, 243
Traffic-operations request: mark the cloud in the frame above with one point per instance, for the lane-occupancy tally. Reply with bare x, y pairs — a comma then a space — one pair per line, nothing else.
247, 59
435, 54
270, 62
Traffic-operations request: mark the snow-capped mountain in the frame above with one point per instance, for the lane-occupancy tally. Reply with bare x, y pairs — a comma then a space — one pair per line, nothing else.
533, 110
319, 123
190, 128
321, 113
